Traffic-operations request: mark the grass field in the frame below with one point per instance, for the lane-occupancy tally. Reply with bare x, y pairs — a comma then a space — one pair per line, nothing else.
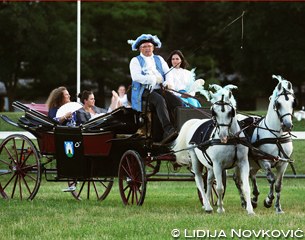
168, 205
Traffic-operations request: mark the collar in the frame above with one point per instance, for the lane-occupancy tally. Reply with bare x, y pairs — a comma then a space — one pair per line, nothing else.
150, 57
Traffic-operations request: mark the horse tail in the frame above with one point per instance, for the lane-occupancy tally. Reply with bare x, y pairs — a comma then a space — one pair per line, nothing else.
182, 157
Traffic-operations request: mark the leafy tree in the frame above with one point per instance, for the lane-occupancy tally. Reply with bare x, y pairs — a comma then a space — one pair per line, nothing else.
37, 42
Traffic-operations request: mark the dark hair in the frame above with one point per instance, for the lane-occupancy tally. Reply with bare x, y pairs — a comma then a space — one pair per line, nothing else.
84, 95
121, 85
184, 63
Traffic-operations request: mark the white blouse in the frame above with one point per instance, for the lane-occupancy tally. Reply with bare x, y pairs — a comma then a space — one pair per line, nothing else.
179, 79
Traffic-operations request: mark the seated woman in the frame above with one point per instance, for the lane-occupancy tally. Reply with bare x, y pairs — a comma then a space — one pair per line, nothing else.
58, 97
181, 79
89, 110
123, 96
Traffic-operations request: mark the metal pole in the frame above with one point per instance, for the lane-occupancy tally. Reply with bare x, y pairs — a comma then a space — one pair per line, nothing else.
78, 46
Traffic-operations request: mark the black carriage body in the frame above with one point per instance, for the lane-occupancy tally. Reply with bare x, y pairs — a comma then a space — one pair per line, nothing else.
82, 155
91, 150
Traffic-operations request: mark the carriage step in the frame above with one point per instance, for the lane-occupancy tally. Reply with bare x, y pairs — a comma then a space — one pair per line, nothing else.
69, 189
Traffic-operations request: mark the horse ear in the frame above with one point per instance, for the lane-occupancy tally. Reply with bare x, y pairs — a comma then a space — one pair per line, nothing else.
295, 103
233, 112
213, 112
230, 94
279, 86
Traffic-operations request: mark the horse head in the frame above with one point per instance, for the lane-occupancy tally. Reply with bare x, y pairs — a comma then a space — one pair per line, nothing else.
223, 110
283, 102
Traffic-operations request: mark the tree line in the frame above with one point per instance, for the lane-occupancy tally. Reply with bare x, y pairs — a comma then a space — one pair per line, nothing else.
242, 43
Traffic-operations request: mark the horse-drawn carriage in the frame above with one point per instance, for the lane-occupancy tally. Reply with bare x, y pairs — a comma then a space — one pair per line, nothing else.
90, 156
87, 157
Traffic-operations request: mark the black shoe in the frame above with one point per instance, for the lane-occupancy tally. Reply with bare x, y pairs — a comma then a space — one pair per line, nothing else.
171, 136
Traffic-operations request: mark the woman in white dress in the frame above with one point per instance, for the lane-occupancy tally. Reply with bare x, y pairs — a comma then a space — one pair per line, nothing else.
180, 79
123, 96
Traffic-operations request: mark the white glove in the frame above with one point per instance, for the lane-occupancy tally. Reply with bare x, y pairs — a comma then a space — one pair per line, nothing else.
159, 79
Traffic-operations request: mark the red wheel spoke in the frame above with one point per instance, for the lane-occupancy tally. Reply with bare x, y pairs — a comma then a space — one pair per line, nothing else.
26, 158
5, 162
95, 189
5, 173
20, 187
30, 176
9, 153
14, 188
27, 186
9, 181
21, 151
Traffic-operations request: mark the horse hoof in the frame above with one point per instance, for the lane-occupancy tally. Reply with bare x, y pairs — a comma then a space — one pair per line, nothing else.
267, 205
280, 212
209, 211
221, 211
254, 204
251, 213
243, 205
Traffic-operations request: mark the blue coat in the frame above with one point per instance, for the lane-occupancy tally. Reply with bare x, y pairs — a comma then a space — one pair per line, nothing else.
138, 88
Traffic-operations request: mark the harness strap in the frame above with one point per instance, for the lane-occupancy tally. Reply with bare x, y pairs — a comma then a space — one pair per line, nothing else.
232, 141
272, 141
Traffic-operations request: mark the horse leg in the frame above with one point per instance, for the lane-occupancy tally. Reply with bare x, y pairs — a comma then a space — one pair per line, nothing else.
255, 191
219, 187
238, 185
197, 168
271, 179
278, 188
245, 186
210, 181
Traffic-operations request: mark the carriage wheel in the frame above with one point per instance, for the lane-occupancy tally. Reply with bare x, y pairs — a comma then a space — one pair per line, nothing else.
214, 195
132, 180
20, 169
95, 187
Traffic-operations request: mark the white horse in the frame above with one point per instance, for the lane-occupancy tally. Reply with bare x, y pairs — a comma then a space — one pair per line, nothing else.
272, 136
221, 151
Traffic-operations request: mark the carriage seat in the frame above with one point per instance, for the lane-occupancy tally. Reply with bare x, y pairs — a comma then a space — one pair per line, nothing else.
120, 121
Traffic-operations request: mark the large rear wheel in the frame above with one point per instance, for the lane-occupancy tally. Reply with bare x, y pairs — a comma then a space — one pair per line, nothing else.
20, 168
132, 179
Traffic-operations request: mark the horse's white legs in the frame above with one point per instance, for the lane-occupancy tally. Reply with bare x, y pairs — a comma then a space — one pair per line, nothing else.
197, 168
210, 180
271, 179
236, 178
245, 186
219, 187
278, 187
255, 191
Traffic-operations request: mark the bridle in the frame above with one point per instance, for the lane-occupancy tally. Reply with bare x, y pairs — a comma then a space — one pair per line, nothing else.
222, 103
276, 104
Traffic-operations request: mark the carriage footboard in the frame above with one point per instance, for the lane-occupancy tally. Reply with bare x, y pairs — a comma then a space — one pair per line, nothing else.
8, 120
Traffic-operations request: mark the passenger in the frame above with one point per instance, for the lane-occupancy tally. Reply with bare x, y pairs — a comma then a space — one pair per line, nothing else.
123, 96
180, 79
58, 97
148, 72
89, 110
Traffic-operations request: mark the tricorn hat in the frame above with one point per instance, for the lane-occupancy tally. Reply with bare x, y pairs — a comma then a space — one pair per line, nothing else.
135, 44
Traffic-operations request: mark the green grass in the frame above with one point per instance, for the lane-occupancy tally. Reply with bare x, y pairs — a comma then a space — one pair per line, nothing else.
168, 205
